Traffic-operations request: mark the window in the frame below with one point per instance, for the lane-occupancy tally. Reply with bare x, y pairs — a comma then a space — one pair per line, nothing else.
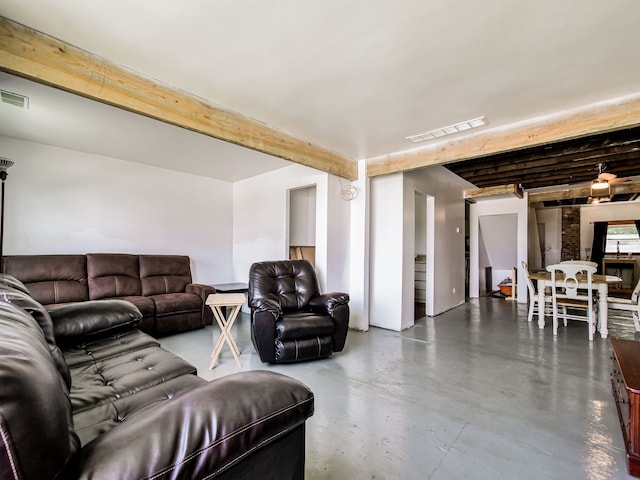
623, 238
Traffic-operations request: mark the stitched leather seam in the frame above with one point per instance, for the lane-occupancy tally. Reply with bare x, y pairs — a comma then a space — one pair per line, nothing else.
231, 435
55, 292
5, 441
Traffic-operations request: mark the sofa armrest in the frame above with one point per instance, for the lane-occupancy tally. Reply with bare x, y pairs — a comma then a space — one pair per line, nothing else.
203, 291
199, 433
93, 317
328, 302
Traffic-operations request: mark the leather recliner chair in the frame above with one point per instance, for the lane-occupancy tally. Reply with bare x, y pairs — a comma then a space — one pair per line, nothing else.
290, 320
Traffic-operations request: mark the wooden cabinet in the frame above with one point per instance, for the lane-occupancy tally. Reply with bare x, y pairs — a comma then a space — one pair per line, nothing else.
625, 382
624, 268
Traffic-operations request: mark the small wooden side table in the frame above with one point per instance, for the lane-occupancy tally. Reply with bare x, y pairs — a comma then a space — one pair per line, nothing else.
217, 301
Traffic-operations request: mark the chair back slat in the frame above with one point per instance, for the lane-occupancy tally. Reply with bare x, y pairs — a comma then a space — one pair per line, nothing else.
569, 291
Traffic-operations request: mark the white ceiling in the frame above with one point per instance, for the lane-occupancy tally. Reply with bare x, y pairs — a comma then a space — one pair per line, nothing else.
355, 76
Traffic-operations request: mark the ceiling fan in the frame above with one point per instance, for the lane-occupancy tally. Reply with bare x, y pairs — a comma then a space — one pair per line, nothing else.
601, 186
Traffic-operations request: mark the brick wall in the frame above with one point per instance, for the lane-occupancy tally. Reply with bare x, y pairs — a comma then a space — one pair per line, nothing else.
570, 234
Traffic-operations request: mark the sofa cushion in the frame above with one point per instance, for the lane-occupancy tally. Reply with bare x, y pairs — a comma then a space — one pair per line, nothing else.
117, 343
35, 414
95, 421
51, 278
112, 275
164, 274
102, 381
174, 303
93, 318
145, 304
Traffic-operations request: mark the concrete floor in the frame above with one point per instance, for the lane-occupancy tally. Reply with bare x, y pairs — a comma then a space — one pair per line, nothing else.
477, 392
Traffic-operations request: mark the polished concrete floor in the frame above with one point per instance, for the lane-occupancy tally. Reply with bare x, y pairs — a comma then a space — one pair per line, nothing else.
477, 393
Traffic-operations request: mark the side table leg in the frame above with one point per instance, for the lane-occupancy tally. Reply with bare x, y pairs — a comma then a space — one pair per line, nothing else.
225, 334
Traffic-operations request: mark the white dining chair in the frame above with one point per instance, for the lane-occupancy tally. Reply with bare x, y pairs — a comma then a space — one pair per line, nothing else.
570, 296
628, 305
533, 296
581, 262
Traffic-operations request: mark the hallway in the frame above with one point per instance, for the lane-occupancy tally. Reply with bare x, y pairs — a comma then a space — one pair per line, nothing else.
477, 393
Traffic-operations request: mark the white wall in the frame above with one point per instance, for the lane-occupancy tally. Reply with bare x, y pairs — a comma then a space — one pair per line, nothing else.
359, 251
393, 244
499, 206
302, 217
552, 220
260, 227
421, 224
446, 206
386, 252
499, 234
64, 201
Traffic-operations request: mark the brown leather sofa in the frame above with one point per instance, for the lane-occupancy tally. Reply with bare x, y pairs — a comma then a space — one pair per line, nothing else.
86, 395
159, 285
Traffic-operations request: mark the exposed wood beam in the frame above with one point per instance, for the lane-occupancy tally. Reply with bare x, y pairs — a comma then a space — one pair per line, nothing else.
38, 57
511, 189
582, 192
603, 117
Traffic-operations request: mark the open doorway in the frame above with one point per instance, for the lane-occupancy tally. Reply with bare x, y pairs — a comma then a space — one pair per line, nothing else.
424, 255
302, 224
420, 256
497, 245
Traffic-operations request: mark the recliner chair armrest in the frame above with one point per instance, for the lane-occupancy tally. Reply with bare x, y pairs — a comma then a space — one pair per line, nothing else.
266, 305
200, 432
328, 302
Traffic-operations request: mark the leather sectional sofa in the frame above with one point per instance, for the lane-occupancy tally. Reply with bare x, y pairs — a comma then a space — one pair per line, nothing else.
159, 285
86, 395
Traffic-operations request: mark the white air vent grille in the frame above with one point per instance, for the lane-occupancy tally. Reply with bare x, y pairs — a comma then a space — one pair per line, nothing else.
14, 99
450, 130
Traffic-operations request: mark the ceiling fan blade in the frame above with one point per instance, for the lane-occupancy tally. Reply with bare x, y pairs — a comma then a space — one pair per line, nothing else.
606, 176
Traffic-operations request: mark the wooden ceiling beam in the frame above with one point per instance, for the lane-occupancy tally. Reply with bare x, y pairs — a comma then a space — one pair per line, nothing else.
43, 59
549, 171
622, 188
511, 189
603, 117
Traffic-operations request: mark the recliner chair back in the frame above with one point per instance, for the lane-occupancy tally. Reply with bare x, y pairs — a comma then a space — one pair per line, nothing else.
292, 283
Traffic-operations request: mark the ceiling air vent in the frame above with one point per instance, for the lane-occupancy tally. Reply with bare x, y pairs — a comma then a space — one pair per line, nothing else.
14, 99
450, 130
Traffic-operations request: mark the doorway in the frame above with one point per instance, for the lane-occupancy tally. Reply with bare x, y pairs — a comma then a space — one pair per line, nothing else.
302, 224
423, 254
497, 245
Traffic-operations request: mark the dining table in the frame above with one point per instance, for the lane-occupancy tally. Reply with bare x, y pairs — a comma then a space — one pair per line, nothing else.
598, 281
